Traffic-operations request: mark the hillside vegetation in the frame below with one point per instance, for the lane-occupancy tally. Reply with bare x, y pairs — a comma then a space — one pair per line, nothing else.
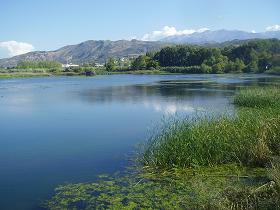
255, 56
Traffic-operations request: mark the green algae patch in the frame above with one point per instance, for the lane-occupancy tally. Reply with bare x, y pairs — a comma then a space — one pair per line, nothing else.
199, 188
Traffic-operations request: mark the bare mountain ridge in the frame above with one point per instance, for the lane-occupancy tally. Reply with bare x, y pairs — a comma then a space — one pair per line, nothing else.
88, 51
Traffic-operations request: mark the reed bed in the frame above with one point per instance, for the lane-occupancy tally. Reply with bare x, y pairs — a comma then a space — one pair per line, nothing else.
250, 138
258, 97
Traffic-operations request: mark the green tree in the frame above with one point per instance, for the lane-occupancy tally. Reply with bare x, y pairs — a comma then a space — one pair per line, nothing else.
252, 67
110, 64
239, 65
236, 66
264, 61
139, 63
205, 69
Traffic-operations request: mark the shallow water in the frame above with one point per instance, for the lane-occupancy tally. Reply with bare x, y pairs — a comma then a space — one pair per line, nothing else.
70, 129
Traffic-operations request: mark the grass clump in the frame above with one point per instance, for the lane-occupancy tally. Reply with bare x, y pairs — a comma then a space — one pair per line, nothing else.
258, 97
251, 139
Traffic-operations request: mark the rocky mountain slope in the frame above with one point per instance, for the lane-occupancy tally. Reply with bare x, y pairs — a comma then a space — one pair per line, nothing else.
89, 51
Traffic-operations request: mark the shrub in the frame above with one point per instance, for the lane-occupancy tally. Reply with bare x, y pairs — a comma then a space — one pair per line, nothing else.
178, 69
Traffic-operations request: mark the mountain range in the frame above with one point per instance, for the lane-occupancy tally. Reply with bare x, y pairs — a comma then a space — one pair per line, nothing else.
88, 51
99, 51
219, 36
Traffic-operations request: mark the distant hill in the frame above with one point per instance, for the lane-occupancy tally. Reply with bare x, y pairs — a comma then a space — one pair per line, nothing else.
219, 36
88, 51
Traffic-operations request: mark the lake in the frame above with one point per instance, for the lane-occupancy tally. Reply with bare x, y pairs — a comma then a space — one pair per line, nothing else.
70, 129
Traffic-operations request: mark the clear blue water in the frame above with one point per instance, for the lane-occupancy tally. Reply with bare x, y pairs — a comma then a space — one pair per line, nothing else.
69, 129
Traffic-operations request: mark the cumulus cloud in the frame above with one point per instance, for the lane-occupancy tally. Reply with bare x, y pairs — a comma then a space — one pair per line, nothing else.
273, 28
16, 48
170, 31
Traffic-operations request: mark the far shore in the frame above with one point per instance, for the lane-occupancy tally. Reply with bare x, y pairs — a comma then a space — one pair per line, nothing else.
41, 74
70, 74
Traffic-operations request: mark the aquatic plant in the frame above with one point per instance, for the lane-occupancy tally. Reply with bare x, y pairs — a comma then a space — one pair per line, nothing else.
200, 188
258, 97
250, 138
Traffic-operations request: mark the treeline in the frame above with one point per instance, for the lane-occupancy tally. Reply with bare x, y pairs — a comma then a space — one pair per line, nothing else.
38, 65
254, 56
54, 68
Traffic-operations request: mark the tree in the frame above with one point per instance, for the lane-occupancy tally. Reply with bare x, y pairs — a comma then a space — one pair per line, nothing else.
110, 64
264, 61
205, 69
239, 65
236, 66
252, 67
152, 64
218, 68
139, 63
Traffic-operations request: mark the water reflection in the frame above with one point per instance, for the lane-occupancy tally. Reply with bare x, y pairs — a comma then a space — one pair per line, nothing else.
168, 97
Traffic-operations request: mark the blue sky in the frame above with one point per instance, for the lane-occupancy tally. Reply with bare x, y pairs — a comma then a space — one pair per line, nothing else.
50, 24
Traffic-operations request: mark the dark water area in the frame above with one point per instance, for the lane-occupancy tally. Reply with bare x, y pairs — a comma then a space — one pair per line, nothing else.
70, 129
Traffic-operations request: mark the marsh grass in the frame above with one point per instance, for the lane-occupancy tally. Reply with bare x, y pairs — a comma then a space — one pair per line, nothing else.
250, 139
258, 97
23, 75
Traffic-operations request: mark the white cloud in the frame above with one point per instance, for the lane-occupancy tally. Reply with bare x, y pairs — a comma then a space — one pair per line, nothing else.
171, 108
253, 31
16, 48
273, 28
170, 31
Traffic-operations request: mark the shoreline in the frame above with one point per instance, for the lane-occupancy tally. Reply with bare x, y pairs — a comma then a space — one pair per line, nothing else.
140, 72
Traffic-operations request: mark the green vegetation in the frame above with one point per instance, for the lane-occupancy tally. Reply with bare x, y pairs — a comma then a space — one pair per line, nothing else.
110, 64
256, 56
47, 68
224, 162
144, 62
274, 70
200, 188
249, 139
38, 65
258, 97
22, 75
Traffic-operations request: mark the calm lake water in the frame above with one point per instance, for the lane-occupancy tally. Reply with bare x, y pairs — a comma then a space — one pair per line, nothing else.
70, 129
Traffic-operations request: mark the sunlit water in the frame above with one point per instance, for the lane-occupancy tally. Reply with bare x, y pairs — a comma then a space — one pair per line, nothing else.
70, 129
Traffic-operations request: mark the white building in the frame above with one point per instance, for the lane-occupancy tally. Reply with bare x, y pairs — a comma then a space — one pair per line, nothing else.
98, 65
69, 65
